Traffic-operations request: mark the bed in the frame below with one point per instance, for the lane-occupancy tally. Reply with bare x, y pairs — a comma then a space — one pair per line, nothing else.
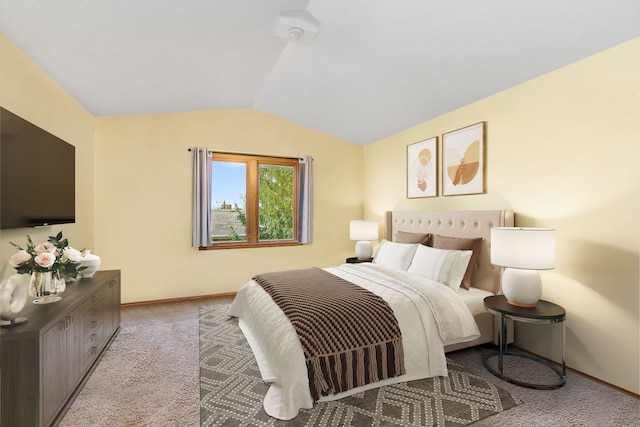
432, 318
461, 224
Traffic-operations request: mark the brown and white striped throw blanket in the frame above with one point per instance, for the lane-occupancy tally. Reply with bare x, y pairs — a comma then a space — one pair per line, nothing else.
349, 335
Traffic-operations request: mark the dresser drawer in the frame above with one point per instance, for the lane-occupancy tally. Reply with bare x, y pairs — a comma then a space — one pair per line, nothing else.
91, 322
92, 314
94, 299
92, 344
92, 328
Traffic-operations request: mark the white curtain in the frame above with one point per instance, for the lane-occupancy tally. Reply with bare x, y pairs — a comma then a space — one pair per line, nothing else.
305, 200
201, 190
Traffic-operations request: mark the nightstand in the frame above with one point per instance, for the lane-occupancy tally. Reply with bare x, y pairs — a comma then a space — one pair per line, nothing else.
543, 312
354, 260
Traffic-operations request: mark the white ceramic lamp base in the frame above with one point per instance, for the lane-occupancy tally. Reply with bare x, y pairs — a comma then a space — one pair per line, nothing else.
364, 250
522, 288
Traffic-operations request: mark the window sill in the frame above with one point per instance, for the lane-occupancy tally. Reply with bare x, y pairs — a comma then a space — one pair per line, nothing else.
244, 245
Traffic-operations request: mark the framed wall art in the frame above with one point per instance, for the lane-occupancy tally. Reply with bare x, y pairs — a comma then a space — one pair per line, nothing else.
463, 161
422, 168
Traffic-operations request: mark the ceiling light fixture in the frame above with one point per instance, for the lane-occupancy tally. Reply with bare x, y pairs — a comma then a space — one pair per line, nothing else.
296, 33
296, 25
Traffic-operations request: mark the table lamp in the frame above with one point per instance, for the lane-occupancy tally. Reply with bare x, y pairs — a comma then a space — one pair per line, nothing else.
364, 232
522, 251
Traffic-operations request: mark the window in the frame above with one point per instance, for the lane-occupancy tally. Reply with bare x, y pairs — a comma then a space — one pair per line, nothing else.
254, 201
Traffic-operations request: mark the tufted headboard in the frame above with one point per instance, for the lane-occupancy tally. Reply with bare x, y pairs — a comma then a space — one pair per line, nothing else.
456, 224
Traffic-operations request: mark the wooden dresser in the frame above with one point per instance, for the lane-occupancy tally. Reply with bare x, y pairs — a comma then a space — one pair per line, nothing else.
46, 361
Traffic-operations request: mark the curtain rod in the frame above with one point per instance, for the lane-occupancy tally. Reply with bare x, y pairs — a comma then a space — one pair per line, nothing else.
250, 154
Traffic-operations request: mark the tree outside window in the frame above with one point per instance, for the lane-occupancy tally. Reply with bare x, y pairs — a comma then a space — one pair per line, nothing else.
254, 200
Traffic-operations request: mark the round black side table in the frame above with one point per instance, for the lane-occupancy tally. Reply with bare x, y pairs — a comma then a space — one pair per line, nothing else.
543, 312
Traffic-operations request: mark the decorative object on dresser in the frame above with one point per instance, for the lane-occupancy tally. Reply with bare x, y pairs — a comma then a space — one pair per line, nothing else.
523, 251
90, 262
46, 361
50, 264
13, 296
46, 286
364, 231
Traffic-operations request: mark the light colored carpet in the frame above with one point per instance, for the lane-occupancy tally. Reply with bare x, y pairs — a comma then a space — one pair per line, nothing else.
150, 374
150, 377
581, 402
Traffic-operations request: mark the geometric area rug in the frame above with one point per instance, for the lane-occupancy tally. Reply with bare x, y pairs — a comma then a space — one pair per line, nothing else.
232, 391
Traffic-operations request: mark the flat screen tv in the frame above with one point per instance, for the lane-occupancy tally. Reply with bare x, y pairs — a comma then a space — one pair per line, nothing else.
37, 175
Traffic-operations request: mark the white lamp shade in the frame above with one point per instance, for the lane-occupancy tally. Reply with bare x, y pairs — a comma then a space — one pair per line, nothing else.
363, 230
525, 248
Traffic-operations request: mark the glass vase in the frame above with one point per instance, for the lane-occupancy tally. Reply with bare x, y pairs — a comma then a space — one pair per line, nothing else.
59, 282
45, 286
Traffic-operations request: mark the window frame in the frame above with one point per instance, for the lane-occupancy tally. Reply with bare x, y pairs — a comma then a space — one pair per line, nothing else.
253, 163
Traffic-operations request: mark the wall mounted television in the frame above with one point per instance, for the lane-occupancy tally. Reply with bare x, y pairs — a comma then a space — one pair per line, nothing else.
37, 175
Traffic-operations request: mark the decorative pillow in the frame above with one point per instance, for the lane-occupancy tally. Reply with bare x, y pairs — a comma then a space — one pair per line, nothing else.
442, 265
471, 244
396, 255
422, 238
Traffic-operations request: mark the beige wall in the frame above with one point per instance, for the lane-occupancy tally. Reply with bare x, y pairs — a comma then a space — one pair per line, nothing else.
143, 199
562, 151
28, 92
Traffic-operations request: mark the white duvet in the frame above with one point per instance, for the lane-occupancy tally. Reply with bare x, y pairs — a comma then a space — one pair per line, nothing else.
430, 315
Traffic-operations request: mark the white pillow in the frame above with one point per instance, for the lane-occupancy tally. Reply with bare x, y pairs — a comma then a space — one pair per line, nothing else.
395, 255
442, 265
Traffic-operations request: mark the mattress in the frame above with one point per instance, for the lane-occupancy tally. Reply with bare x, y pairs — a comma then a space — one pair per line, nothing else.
474, 298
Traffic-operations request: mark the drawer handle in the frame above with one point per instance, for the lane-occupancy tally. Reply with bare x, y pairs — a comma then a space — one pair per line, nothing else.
66, 323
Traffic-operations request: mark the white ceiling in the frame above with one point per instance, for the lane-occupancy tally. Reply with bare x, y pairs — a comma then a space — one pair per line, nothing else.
376, 66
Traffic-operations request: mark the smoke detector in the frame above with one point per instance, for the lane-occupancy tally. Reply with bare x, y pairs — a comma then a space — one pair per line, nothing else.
296, 25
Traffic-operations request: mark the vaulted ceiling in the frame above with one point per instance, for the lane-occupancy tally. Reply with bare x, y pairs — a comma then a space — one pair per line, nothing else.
374, 68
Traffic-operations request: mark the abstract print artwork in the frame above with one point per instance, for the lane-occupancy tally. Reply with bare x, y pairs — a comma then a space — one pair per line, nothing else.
422, 164
463, 161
